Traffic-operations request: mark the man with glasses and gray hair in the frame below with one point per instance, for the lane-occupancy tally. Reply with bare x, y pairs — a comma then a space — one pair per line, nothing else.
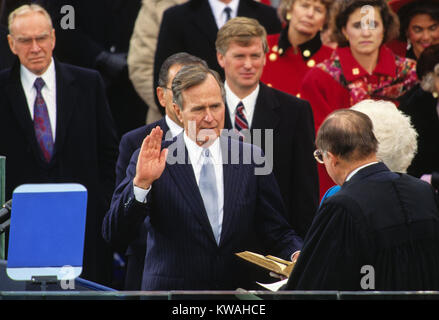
56, 126
380, 231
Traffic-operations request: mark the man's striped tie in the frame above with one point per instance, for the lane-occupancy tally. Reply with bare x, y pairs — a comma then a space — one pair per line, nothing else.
240, 119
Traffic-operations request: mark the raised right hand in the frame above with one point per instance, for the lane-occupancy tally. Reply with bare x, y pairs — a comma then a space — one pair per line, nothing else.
151, 161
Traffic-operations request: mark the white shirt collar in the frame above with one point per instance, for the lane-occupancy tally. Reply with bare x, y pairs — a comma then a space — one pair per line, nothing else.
249, 103
218, 10
195, 151
28, 77
173, 127
350, 175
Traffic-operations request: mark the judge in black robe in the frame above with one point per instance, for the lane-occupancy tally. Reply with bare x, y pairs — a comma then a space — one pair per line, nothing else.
379, 232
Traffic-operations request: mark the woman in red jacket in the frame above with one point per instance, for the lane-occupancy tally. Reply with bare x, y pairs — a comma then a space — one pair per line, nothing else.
361, 67
298, 47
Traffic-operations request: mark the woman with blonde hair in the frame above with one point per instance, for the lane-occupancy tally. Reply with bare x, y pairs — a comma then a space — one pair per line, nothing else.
298, 47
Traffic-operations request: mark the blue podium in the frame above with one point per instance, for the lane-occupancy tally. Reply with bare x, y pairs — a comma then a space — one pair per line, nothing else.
46, 239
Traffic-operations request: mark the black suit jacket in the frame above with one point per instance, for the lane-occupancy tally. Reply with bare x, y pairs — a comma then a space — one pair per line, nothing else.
135, 252
182, 253
294, 166
85, 149
381, 225
191, 27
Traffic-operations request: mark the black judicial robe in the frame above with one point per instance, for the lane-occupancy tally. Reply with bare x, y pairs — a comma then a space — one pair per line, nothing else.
381, 219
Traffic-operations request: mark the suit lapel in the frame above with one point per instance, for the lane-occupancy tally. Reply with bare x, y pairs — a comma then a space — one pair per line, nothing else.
66, 98
18, 103
245, 9
184, 178
227, 121
232, 186
265, 115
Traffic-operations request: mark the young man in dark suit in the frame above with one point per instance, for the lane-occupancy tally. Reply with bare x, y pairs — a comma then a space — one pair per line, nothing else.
380, 231
285, 123
56, 126
203, 195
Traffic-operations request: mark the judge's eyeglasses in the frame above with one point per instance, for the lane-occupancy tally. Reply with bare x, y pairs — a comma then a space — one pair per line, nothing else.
318, 155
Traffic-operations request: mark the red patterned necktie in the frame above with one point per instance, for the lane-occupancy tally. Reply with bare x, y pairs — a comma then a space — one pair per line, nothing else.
240, 119
43, 130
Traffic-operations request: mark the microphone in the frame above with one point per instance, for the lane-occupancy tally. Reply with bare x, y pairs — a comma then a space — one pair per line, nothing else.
5, 211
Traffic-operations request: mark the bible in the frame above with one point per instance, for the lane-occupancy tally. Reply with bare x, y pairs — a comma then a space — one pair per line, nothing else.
275, 264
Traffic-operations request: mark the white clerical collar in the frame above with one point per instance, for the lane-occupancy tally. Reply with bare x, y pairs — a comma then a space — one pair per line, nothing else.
350, 175
173, 126
28, 77
249, 102
195, 151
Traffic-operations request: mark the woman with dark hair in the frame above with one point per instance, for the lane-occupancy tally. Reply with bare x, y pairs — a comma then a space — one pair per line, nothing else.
419, 26
423, 108
298, 47
361, 67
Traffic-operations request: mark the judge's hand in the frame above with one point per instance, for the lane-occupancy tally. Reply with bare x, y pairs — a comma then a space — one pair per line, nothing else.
277, 275
294, 258
151, 161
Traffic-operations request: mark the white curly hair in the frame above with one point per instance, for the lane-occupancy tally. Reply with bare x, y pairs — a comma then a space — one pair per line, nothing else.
397, 138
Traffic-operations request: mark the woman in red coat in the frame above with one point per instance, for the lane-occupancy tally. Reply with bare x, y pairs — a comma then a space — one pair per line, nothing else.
361, 67
298, 47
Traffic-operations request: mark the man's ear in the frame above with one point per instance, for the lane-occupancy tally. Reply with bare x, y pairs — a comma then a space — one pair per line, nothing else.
177, 111
334, 160
161, 96
11, 44
220, 59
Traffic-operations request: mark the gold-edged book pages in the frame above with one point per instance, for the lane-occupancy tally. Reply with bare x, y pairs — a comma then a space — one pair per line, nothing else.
275, 264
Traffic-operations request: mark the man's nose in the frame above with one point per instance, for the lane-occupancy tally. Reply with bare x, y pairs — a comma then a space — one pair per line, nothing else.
35, 46
208, 116
248, 63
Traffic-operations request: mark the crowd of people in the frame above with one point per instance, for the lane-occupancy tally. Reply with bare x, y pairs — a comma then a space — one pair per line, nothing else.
163, 110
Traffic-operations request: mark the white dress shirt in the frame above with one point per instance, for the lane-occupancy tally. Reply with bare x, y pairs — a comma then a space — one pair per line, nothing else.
219, 13
48, 92
249, 103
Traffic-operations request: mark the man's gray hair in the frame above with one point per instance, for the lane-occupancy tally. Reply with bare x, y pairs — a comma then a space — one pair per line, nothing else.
190, 76
397, 144
26, 9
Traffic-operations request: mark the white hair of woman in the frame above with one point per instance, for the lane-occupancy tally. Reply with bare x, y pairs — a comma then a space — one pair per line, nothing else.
397, 138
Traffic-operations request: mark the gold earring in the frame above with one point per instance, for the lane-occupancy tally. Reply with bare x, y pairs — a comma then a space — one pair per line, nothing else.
288, 16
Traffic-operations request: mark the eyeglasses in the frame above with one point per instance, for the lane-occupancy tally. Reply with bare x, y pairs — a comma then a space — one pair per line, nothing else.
318, 155
27, 41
